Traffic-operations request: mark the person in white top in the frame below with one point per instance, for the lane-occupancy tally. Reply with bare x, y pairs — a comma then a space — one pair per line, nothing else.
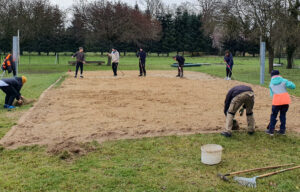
115, 58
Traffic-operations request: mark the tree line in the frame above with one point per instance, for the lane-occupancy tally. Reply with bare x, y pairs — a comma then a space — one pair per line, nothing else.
212, 27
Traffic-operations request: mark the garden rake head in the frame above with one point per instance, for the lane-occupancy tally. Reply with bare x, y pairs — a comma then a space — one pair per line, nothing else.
251, 182
248, 182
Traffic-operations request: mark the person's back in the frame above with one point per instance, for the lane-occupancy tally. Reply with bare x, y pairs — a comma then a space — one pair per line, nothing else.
281, 101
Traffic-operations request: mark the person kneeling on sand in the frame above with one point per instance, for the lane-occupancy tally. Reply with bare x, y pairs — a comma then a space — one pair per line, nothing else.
239, 96
12, 87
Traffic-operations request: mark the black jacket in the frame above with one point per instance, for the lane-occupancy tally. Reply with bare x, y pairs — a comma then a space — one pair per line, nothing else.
142, 55
80, 57
16, 84
233, 93
180, 60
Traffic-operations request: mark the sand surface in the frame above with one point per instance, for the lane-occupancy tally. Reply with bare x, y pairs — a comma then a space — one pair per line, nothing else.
101, 107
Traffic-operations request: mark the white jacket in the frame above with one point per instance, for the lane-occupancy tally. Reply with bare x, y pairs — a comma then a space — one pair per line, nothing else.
115, 57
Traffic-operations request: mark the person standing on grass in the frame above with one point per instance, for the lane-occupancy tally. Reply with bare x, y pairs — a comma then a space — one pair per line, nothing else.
180, 60
281, 101
9, 64
80, 60
228, 58
239, 96
12, 87
115, 58
142, 62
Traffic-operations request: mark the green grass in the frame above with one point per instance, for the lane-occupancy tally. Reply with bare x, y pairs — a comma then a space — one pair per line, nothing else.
151, 164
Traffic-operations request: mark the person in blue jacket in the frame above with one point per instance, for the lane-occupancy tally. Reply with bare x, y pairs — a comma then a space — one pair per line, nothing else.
281, 101
142, 62
228, 58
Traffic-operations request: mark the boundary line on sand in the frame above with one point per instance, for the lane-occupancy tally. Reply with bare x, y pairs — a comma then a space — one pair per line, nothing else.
27, 113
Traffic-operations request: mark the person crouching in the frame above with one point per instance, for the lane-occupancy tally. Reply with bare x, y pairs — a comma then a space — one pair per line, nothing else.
239, 96
12, 87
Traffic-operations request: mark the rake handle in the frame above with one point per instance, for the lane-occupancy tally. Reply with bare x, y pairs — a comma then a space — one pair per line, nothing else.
259, 169
276, 172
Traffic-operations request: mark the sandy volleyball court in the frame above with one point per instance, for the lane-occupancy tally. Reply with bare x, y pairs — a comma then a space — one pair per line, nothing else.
101, 107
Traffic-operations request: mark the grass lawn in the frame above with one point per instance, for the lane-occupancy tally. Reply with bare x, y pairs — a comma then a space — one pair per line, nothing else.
152, 164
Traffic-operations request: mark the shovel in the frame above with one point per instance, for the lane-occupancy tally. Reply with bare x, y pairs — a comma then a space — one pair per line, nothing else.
251, 182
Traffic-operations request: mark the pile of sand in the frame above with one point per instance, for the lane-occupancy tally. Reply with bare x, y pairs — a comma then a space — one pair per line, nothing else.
101, 107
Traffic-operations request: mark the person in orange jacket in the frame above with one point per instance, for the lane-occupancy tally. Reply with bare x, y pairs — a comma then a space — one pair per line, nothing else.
281, 101
9, 64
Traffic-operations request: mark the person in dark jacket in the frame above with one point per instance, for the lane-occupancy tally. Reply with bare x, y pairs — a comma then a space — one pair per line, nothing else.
12, 87
239, 96
9, 64
142, 62
180, 60
80, 60
229, 64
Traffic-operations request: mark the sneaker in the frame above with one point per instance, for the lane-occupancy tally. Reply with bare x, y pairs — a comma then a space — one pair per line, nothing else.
11, 107
6, 106
251, 132
226, 134
177, 75
81, 76
226, 78
229, 79
140, 75
269, 133
75, 76
279, 132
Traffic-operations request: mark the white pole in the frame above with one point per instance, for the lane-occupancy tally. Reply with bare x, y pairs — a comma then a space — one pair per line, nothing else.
19, 47
15, 52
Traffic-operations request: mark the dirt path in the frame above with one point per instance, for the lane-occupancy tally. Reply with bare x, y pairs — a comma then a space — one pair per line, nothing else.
101, 107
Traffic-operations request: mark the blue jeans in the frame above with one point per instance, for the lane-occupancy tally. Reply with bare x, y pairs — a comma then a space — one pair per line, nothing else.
275, 110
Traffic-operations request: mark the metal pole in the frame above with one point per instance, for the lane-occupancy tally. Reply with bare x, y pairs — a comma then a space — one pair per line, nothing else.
19, 47
15, 52
262, 62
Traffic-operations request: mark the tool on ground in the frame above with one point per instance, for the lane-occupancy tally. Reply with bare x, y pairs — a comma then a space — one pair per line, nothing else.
224, 176
251, 182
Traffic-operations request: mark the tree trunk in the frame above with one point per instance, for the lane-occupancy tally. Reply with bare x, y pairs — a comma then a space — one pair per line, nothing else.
168, 54
124, 53
290, 50
271, 59
108, 60
253, 54
244, 54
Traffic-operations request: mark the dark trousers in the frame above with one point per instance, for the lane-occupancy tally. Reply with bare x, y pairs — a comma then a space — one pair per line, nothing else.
275, 110
10, 95
115, 68
229, 70
79, 65
180, 70
142, 67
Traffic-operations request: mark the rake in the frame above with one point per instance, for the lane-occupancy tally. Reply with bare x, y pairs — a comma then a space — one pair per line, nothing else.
251, 182
224, 176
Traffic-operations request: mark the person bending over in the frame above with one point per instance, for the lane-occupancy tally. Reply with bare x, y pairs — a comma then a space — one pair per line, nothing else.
239, 96
180, 60
12, 87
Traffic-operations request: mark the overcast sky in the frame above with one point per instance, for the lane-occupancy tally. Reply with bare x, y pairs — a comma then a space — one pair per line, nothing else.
67, 3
